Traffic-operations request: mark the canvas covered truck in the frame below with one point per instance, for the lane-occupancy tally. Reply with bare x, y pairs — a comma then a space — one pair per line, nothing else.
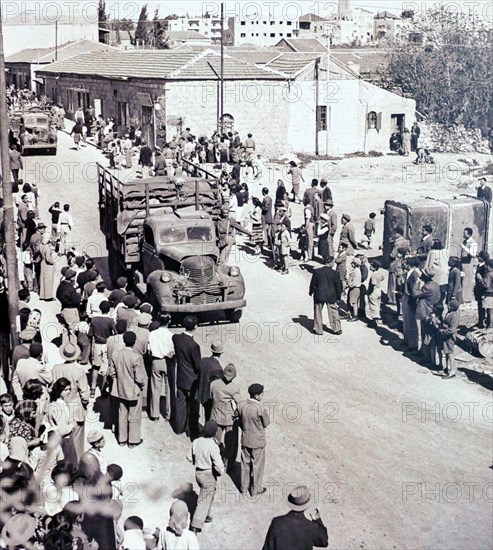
161, 232
447, 217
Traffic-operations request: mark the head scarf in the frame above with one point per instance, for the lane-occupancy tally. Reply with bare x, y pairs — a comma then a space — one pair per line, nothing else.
178, 520
18, 449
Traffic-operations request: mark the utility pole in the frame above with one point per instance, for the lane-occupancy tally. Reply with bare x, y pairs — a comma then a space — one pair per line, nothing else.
56, 40
222, 69
8, 203
326, 98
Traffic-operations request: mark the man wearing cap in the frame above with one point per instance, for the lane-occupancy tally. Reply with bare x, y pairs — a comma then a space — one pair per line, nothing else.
225, 394
484, 191
326, 191
127, 147
301, 528
326, 288
78, 398
159, 163
29, 369
162, 353
187, 368
254, 419
85, 276
128, 374
210, 369
347, 235
116, 295
69, 297
206, 458
34, 245
309, 195
101, 328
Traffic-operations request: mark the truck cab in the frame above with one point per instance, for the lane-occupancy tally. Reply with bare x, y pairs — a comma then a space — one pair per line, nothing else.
36, 131
180, 262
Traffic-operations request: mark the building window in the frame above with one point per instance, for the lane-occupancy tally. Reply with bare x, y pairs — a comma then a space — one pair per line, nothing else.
264, 22
272, 22
280, 34
289, 35
122, 117
272, 34
253, 34
243, 35
243, 23
322, 118
374, 121
289, 22
265, 34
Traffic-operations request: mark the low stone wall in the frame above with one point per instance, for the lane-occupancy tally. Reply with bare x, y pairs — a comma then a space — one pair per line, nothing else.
453, 139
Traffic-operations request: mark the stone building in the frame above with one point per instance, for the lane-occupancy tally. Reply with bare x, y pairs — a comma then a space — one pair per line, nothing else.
288, 101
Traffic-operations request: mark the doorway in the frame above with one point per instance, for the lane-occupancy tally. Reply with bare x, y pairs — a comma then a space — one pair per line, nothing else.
397, 123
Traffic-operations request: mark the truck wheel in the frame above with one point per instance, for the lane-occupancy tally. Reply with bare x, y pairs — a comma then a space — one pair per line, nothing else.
233, 315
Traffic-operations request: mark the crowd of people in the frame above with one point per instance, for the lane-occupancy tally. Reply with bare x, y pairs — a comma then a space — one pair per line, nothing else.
60, 489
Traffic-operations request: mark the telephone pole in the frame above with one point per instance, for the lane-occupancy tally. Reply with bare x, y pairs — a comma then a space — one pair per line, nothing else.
8, 203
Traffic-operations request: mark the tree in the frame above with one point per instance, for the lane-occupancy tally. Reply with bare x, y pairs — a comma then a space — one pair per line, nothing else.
449, 71
158, 37
142, 30
123, 24
118, 37
102, 16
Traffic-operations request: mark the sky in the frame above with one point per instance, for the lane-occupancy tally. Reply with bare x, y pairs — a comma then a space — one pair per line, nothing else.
118, 9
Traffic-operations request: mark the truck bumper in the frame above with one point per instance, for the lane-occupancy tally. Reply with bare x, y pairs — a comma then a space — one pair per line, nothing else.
197, 308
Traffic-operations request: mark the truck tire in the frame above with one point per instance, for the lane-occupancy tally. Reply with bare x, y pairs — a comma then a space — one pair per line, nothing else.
233, 315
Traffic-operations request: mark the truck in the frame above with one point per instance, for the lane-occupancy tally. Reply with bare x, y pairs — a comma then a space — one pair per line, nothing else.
161, 233
37, 131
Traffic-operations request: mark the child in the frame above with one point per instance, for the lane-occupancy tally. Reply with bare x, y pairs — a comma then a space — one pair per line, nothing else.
363, 289
96, 440
369, 230
303, 244
7, 410
448, 334
430, 347
283, 248
115, 473
133, 538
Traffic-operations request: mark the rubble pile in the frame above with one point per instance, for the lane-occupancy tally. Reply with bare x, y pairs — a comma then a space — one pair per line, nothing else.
454, 139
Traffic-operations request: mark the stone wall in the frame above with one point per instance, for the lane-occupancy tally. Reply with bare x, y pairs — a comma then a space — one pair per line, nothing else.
452, 139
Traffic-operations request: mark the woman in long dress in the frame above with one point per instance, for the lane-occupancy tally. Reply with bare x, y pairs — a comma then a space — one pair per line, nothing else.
437, 263
375, 291
49, 257
296, 178
406, 142
323, 237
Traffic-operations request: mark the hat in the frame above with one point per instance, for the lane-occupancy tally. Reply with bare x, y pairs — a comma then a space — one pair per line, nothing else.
41, 225
64, 270
329, 202
70, 352
145, 308
255, 389
18, 530
324, 180
28, 334
356, 261
346, 217
144, 319
130, 300
300, 499
210, 429
94, 436
325, 217
217, 347
428, 272
229, 372
70, 274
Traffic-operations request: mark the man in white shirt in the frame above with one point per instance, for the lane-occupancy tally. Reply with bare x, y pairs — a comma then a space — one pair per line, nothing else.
65, 226
162, 351
95, 299
28, 369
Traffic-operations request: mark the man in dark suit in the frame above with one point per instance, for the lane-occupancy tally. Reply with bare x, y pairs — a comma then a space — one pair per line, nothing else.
326, 288
484, 191
295, 530
188, 358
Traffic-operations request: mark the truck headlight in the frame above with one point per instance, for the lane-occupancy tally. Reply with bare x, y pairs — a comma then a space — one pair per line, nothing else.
166, 277
234, 271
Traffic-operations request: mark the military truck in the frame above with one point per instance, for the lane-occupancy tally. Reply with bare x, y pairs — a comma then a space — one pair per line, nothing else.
161, 232
37, 131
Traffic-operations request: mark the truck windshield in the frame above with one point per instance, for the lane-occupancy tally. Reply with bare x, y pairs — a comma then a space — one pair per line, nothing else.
170, 235
39, 121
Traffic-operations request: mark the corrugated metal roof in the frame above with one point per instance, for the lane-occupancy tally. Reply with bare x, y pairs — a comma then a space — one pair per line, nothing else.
254, 56
293, 63
158, 64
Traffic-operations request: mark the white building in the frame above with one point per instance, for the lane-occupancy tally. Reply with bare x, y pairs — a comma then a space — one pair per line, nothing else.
209, 27
47, 24
265, 28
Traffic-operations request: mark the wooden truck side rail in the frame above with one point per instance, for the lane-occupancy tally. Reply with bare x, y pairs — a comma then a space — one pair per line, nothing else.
124, 206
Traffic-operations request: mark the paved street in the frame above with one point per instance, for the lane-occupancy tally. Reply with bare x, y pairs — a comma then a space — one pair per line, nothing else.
396, 457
